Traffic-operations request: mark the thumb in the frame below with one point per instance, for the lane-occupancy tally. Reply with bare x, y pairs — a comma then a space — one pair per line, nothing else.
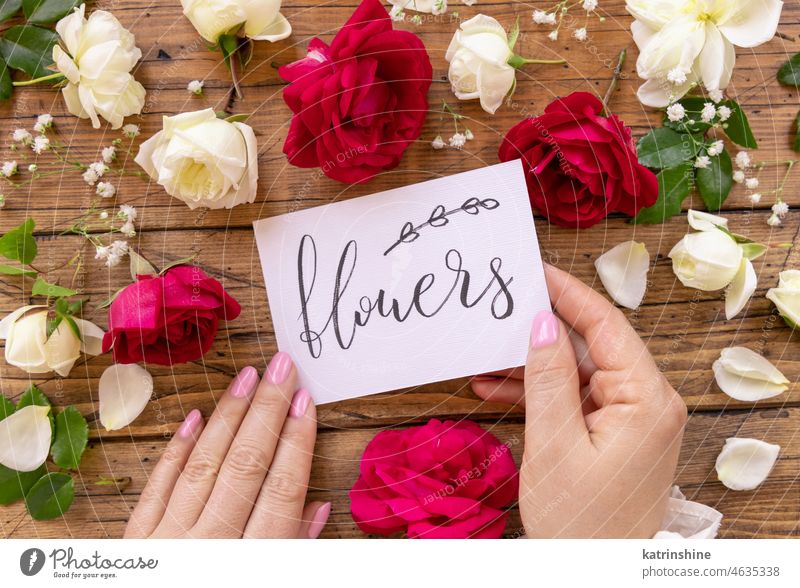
552, 384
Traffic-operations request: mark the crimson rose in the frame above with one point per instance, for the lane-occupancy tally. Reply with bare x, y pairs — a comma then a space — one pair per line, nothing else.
450, 480
167, 319
359, 103
580, 166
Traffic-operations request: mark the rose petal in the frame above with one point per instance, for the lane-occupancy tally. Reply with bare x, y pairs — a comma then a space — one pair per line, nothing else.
745, 375
744, 463
740, 289
125, 390
623, 271
704, 221
9, 319
25, 438
92, 337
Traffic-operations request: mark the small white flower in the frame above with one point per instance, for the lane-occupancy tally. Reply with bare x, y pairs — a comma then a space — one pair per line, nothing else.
43, 122
127, 212
109, 154
102, 252
751, 183
128, 229
676, 112
9, 169
724, 113
22, 136
581, 34
99, 168
738, 176
589, 5
40, 144
468, 2
702, 162
755, 197
468, 134
103, 215
131, 131
119, 248
716, 96
541, 17
716, 148
195, 87
32, 168
458, 140
708, 113
780, 208
774, 220
553, 36
90, 177
106, 190
742, 160
438, 142
676, 76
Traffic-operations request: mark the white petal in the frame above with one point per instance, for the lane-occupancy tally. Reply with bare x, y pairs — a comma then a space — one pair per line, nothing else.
25, 438
740, 289
92, 337
745, 375
623, 271
753, 24
704, 221
749, 364
277, 30
8, 320
744, 463
715, 62
125, 391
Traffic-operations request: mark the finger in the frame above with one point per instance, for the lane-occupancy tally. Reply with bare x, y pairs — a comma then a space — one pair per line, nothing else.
552, 387
517, 373
154, 498
612, 342
278, 512
503, 390
250, 456
586, 366
315, 515
200, 472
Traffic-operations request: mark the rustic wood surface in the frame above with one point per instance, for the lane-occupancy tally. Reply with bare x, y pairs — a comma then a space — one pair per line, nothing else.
684, 329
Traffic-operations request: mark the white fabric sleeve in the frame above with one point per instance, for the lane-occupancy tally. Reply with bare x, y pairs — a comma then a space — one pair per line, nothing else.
688, 520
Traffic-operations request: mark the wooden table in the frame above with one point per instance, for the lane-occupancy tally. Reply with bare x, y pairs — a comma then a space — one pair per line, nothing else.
684, 329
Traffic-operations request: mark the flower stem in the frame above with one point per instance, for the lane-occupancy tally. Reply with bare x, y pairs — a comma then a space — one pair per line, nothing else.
615, 78
517, 61
53, 76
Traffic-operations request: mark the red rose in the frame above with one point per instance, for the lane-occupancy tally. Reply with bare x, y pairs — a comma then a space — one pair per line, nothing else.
450, 480
359, 103
580, 166
167, 319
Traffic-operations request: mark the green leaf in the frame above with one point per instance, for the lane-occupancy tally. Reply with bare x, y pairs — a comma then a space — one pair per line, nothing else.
29, 48
10, 270
6, 407
15, 485
18, 243
48, 11
8, 8
673, 188
184, 261
228, 45
139, 266
692, 122
664, 148
237, 117
796, 144
72, 433
51, 496
6, 85
513, 35
753, 250
789, 73
738, 128
110, 300
42, 288
714, 182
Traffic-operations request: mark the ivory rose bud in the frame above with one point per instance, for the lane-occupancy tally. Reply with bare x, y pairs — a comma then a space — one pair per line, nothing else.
786, 297
708, 260
203, 160
261, 19
29, 348
97, 56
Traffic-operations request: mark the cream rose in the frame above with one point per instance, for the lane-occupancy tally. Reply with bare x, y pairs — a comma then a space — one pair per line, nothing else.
96, 59
786, 297
29, 348
203, 160
260, 19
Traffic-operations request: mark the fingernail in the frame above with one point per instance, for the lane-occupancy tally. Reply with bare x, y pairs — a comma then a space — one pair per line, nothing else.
190, 424
300, 403
279, 368
319, 520
244, 383
545, 329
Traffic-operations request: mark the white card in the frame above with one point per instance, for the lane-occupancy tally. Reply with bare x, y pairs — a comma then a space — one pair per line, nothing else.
362, 310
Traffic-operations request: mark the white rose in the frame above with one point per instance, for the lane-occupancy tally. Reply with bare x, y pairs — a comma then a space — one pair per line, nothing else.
262, 19
683, 42
29, 348
96, 59
203, 160
478, 55
708, 260
786, 297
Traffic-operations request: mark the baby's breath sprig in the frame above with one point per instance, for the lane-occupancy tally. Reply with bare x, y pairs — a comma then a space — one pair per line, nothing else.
100, 229
556, 17
459, 138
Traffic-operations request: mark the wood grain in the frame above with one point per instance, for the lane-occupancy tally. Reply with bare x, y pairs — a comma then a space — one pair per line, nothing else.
684, 329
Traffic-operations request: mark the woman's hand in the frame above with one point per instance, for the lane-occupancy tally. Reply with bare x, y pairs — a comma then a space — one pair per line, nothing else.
602, 434
243, 474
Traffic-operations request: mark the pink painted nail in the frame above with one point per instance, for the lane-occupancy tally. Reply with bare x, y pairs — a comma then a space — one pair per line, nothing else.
244, 383
545, 329
300, 403
319, 520
279, 368
190, 424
